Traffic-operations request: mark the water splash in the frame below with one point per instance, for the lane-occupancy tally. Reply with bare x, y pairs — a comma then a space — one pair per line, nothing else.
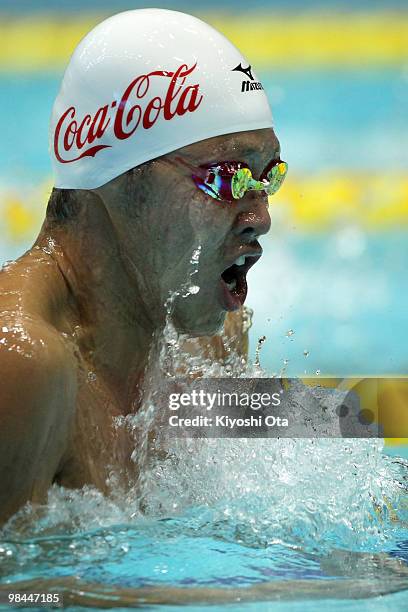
311, 494
91, 377
49, 248
314, 494
261, 341
7, 265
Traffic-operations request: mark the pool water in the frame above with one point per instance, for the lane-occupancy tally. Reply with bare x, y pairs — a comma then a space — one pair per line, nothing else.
230, 514
162, 554
346, 312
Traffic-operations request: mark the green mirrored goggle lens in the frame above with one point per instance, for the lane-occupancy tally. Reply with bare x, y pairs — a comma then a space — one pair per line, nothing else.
242, 181
276, 176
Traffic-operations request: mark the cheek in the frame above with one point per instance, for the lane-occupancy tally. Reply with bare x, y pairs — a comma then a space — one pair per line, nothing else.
178, 221
208, 217
184, 215
212, 224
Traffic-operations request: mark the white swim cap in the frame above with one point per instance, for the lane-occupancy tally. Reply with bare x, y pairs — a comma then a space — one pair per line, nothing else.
144, 83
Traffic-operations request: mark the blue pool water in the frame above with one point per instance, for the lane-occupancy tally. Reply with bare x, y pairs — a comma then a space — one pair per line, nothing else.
284, 522
348, 312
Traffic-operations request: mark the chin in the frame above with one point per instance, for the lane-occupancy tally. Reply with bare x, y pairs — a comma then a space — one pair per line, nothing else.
210, 325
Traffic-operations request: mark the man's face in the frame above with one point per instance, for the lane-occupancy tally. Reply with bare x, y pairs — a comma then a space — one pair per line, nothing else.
175, 236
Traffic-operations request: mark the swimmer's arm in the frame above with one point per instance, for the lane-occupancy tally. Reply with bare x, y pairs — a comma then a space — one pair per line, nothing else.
35, 389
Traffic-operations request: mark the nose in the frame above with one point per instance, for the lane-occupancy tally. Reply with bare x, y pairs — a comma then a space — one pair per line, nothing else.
252, 219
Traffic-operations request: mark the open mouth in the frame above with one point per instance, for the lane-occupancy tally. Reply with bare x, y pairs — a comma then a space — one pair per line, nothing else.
234, 283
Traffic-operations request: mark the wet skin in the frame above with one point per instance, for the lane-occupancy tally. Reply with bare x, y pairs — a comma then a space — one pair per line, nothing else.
83, 308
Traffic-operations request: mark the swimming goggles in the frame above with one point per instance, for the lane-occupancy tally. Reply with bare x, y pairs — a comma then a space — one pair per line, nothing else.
231, 180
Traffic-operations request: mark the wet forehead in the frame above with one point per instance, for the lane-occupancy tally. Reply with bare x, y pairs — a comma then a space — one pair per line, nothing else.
256, 147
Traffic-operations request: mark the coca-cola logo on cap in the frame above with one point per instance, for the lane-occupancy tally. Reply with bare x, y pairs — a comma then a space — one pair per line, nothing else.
81, 133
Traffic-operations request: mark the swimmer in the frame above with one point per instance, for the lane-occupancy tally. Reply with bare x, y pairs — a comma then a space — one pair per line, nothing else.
162, 145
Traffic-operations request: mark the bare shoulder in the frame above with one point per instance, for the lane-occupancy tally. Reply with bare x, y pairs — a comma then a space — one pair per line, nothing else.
34, 359
37, 399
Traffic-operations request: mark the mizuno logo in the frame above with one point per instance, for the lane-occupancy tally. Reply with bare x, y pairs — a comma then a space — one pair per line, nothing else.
251, 84
246, 71
247, 85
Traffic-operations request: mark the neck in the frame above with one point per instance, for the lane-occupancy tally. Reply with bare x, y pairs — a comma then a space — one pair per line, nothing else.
107, 316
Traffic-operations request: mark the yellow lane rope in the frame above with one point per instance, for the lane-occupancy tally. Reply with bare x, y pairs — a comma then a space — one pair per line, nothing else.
307, 203
353, 39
